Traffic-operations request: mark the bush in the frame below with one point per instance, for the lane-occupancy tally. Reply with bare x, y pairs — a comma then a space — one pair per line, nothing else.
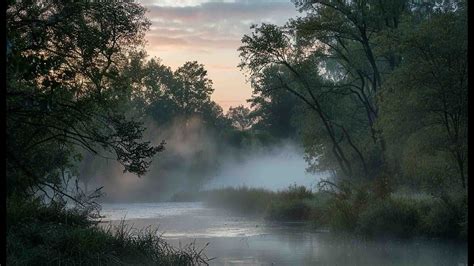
294, 192
342, 216
293, 210
353, 209
33, 211
344, 208
411, 216
288, 204
389, 217
318, 205
445, 218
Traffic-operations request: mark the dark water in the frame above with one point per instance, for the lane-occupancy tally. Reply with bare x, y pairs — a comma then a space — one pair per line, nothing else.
240, 241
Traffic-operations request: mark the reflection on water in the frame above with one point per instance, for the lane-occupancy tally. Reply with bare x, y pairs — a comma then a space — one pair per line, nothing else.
240, 241
118, 211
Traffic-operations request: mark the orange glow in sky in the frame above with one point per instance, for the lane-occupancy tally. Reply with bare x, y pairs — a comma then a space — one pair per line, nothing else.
210, 33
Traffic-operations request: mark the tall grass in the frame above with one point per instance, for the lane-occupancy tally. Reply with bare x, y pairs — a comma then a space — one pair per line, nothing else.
295, 203
242, 200
363, 212
54, 235
354, 209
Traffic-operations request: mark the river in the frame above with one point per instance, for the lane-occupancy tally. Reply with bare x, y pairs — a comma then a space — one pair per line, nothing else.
237, 240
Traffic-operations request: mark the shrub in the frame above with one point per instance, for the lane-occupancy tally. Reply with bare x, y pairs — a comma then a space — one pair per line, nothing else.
342, 215
294, 192
293, 210
445, 218
319, 209
389, 217
282, 205
344, 208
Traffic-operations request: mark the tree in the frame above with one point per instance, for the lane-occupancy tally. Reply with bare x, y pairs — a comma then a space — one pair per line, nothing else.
192, 90
61, 75
274, 109
335, 60
240, 117
182, 94
271, 47
429, 91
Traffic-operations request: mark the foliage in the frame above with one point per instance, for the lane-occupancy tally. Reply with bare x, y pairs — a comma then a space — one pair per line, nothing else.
429, 91
349, 208
445, 218
292, 210
273, 110
389, 217
73, 87
182, 94
39, 234
61, 89
240, 117
397, 216
382, 87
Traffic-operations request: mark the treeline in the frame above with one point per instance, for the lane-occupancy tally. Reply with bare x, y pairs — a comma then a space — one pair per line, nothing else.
79, 84
378, 89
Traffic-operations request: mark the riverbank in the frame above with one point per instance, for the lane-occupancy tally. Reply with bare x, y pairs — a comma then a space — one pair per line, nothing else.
232, 239
357, 211
44, 235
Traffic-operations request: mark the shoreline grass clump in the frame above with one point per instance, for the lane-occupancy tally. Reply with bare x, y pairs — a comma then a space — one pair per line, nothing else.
360, 210
291, 204
242, 200
39, 234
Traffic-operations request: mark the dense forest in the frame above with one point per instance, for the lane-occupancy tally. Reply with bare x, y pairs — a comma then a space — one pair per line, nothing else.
374, 91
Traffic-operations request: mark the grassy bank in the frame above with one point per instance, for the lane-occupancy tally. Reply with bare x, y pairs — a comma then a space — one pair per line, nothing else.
53, 235
359, 211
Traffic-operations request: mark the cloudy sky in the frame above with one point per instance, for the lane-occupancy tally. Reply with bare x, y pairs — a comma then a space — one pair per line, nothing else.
209, 31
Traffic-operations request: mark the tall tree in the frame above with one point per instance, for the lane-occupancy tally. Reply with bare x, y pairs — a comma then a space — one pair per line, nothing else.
271, 47
62, 66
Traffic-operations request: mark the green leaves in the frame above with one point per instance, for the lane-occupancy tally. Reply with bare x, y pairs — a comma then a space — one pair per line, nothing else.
368, 71
63, 89
424, 107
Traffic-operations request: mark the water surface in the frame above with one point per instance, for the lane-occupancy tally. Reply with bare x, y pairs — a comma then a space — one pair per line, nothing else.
235, 240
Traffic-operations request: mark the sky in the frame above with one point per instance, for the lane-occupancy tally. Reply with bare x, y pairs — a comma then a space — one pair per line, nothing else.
209, 31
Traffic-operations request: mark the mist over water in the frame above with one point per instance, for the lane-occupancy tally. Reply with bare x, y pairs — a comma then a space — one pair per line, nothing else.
194, 160
275, 169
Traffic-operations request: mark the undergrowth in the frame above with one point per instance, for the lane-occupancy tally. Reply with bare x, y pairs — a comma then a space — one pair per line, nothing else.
39, 234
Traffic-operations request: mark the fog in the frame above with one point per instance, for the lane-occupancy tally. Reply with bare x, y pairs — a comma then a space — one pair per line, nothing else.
194, 160
274, 168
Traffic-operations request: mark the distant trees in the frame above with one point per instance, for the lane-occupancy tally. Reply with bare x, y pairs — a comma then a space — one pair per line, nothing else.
241, 117
183, 93
193, 88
